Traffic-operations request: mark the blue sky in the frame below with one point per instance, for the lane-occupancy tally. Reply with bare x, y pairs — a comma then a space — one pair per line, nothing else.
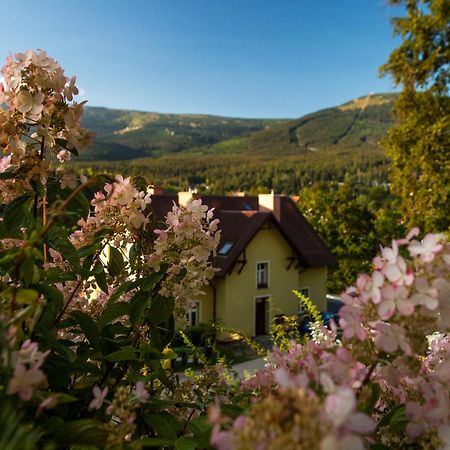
247, 58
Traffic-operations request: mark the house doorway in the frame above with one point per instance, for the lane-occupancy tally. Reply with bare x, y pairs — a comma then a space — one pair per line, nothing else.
262, 315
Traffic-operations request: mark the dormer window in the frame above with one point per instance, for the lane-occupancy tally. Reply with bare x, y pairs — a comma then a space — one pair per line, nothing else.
225, 249
262, 275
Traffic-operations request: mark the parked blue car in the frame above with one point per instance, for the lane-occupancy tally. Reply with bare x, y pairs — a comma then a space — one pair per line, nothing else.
305, 322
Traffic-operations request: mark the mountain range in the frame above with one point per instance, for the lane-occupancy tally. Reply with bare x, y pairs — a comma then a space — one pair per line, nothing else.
220, 154
123, 134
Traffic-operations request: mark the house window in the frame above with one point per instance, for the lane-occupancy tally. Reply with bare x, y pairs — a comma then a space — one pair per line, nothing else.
262, 275
193, 315
225, 249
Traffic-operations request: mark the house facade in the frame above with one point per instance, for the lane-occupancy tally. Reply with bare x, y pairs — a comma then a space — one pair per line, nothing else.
267, 249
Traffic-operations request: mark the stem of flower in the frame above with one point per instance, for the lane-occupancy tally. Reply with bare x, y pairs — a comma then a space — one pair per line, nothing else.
367, 376
36, 196
72, 295
44, 200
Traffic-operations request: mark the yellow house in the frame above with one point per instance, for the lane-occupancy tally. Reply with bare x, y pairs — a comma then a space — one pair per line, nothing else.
267, 249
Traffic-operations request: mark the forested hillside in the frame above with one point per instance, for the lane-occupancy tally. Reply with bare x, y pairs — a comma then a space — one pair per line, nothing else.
122, 134
358, 124
328, 145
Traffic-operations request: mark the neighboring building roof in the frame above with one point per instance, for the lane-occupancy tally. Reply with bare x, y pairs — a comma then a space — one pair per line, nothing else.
162, 204
223, 203
242, 217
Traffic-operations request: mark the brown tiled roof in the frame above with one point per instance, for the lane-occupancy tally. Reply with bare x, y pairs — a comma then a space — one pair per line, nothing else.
241, 218
238, 228
301, 235
223, 203
162, 204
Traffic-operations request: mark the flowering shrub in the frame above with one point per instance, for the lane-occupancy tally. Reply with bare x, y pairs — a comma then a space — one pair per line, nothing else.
385, 385
89, 292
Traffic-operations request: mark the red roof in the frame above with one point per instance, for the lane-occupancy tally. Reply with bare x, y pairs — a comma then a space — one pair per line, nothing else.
241, 218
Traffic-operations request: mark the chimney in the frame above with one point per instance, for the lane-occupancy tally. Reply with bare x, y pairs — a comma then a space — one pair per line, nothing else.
270, 203
184, 197
266, 201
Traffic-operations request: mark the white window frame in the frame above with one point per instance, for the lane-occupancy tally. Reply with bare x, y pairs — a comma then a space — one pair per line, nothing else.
269, 313
198, 314
268, 274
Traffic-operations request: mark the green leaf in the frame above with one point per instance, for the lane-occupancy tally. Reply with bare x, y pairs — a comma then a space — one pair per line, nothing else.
232, 410
370, 405
152, 442
83, 205
149, 353
7, 261
55, 275
3, 231
201, 424
88, 326
29, 273
115, 263
61, 142
55, 302
161, 309
134, 252
159, 404
150, 281
100, 277
137, 306
146, 283
63, 351
186, 443
16, 431
22, 314
8, 174
58, 240
165, 425
395, 419
201, 429
112, 312
124, 354
80, 367
83, 431
21, 296
89, 250
125, 287
163, 333
16, 214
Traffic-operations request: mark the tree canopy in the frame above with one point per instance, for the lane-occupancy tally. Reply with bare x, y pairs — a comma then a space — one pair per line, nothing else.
419, 144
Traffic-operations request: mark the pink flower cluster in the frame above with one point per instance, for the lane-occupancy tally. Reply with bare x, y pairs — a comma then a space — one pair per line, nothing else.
27, 370
37, 112
381, 304
389, 326
121, 208
185, 246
